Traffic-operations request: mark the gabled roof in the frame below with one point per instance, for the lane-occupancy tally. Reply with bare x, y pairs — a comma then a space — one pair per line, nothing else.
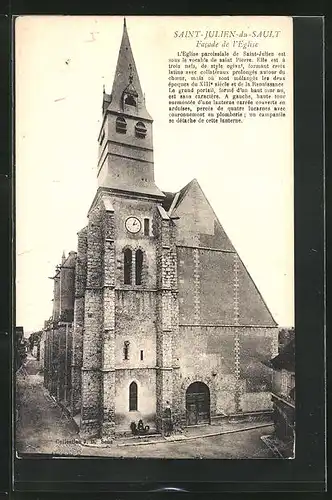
171, 202
199, 226
182, 193
167, 201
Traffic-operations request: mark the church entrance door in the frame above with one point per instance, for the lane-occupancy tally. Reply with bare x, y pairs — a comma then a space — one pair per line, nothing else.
198, 404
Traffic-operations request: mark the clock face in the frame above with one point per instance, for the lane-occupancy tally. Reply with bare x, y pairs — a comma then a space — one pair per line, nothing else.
133, 225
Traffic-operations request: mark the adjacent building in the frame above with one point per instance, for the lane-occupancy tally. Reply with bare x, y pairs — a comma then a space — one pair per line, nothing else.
57, 333
283, 397
20, 347
156, 310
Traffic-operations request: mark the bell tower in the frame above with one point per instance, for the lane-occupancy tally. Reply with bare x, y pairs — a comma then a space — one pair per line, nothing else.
125, 304
125, 139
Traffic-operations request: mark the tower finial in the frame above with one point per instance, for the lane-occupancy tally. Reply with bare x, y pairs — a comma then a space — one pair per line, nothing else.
124, 22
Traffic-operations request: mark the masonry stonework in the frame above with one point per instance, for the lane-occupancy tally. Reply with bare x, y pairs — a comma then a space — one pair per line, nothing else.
156, 308
78, 325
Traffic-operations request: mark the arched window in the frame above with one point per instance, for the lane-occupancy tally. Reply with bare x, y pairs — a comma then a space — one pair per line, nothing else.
133, 397
121, 125
140, 130
139, 266
127, 266
129, 99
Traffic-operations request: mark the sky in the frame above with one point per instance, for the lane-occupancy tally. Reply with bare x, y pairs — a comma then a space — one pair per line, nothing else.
245, 170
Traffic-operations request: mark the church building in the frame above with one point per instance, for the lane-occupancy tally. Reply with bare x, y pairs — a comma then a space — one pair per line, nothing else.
164, 311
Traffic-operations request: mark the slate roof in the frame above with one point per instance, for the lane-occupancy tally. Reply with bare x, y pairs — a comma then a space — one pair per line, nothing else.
183, 192
169, 197
126, 76
167, 201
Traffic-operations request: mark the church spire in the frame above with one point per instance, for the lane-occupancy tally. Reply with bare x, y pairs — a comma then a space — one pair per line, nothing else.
125, 139
127, 94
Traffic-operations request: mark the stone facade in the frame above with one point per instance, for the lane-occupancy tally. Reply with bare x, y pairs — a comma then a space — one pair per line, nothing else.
283, 394
57, 336
42, 350
157, 302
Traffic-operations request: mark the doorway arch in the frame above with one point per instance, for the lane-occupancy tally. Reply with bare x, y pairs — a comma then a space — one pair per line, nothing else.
198, 403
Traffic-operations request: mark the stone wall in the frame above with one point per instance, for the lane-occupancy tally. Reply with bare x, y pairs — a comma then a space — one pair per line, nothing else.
91, 392
145, 379
135, 314
57, 355
56, 297
67, 287
56, 342
107, 413
212, 359
222, 315
207, 282
42, 351
78, 326
167, 381
189, 296
47, 358
142, 316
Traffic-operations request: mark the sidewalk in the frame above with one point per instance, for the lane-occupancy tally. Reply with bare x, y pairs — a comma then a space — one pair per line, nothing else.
190, 433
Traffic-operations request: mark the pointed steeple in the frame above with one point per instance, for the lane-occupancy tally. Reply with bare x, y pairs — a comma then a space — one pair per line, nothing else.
63, 258
126, 85
125, 138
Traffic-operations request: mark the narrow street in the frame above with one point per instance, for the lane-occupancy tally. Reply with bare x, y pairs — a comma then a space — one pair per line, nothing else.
40, 423
43, 428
